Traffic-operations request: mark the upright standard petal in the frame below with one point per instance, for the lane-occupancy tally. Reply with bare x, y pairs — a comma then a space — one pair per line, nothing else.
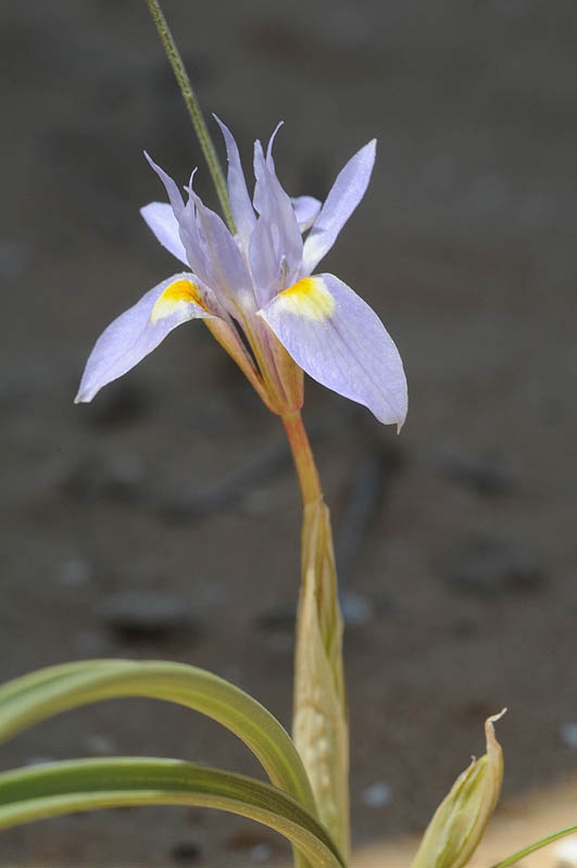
276, 209
141, 328
188, 230
264, 264
226, 270
160, 218
240, 203
346, 193
333, 335
170, 186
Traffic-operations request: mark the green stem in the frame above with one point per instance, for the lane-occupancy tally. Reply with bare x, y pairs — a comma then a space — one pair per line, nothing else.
536, 845
194, 110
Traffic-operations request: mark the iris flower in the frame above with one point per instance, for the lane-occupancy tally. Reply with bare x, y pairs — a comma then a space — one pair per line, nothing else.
255, 290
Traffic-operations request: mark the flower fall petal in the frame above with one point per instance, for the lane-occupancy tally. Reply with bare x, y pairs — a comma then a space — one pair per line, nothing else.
333, 335
140, 329
159, 217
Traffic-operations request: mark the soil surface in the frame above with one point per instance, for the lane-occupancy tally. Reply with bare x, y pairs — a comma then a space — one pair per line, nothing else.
163, 520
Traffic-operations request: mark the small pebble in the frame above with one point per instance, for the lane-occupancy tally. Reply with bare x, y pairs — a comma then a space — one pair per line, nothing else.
357, 610
117, 478
569, 734
39, 761
135, 616
565, 853
377, 795
253, 842
260, 853
92, 643
277, 628
74, 572
489, 474
277, 620
186, 852
486, 567
100, 745
14, 258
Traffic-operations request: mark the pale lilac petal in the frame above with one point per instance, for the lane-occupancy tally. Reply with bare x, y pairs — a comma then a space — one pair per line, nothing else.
170, 186
185, 215
240, 203
346, 193
197, 250
138, 331
226, 270
335, 337
160, 218
275, 208
306, 210
269, 156
263, 261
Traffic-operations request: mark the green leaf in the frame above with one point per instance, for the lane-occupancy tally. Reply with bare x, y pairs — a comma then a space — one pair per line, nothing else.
57, 788
33, 698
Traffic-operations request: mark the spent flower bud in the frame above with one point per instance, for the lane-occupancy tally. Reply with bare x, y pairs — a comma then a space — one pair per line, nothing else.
459, 822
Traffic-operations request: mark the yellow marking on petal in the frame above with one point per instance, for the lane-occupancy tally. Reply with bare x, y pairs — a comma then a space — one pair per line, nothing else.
308, 297
175, 297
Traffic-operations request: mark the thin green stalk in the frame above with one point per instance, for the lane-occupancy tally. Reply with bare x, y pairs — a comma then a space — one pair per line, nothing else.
194, 110
536, 845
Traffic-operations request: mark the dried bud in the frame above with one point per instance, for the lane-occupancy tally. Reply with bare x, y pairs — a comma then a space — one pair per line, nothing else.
459, 822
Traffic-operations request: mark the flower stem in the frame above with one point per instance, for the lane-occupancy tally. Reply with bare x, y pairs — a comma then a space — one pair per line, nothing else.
320, 720
194, 109
305, 466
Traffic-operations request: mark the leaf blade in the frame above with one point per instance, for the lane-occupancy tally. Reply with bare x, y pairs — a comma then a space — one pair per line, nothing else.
33, 698
36, 793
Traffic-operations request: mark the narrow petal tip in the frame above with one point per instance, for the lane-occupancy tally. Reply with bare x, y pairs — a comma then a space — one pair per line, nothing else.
347, 191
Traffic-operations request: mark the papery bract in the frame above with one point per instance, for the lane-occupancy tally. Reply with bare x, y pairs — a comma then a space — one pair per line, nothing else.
258, 282
459, 822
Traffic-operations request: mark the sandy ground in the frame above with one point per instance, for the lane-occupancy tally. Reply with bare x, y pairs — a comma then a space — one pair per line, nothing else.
459, 586
516, 824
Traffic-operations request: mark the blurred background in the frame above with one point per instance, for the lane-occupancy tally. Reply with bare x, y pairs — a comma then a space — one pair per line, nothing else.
163, 520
